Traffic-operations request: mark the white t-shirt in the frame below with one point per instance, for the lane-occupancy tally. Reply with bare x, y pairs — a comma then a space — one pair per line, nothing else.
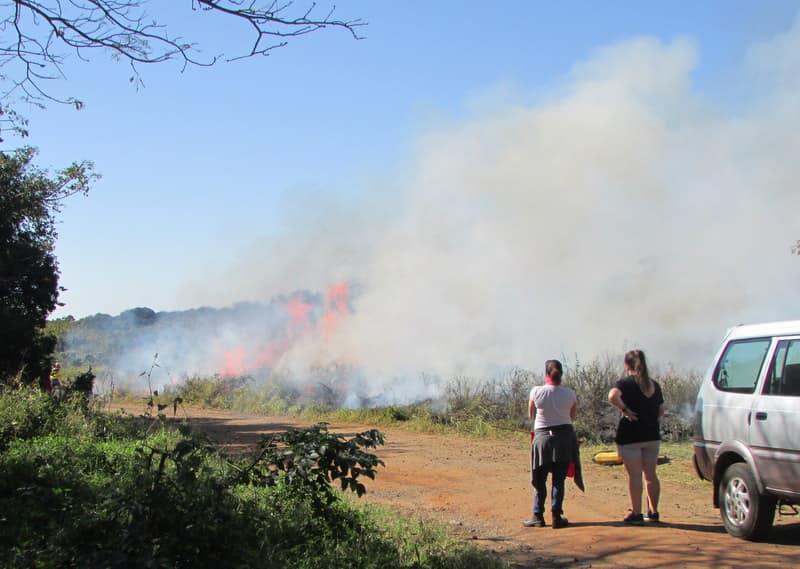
553, 403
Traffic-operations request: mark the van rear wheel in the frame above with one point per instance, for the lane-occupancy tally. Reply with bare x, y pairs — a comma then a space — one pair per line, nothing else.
745, 513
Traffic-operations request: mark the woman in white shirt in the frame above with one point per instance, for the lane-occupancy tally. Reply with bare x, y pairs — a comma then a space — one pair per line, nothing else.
553, 408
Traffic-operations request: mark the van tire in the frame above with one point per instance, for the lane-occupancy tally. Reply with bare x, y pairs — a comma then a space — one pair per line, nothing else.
745, 513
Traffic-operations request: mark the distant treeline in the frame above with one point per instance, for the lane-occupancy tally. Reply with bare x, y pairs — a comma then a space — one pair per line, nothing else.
101, 339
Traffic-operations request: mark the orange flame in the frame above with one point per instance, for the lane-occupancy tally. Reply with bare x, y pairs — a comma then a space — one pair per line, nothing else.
233, 362
336, 308
237, 360
299, 312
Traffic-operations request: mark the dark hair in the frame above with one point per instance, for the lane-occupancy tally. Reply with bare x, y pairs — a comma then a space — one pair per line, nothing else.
636, 362
553, 369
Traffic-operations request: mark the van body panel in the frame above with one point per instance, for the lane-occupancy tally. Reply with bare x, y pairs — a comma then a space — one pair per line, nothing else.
726, 416
703, 462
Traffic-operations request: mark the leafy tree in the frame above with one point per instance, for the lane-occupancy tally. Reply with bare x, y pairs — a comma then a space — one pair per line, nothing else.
29, 198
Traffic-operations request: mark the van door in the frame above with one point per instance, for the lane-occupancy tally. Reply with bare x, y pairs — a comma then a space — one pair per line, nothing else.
728, 404
775, 421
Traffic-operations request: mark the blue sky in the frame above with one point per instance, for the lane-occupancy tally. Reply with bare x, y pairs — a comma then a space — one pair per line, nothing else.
202, 164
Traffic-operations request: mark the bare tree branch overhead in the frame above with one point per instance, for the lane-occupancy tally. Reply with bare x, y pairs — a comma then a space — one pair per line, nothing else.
37, 37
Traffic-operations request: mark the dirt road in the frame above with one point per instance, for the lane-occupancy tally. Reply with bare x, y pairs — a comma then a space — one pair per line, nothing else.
481, 488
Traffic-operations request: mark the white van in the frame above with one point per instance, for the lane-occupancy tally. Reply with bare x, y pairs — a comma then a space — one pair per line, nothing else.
747, 432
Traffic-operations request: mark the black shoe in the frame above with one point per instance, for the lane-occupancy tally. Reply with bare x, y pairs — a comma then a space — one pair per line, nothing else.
635, 519
559, 521
652, 517
537, 521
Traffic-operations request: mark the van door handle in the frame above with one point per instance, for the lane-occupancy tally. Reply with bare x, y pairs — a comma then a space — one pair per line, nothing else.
761, 416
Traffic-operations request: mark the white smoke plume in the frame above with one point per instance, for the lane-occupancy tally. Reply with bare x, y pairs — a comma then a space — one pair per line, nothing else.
622, 209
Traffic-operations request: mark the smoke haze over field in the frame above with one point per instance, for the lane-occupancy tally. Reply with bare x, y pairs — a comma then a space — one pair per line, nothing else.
620, 210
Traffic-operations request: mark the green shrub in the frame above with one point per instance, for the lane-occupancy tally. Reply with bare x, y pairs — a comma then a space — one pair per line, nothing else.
28, 413
92, 490
238, 392
170, 500
597, 419
24, 414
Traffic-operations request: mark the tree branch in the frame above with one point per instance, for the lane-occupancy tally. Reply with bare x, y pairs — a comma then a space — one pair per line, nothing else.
38, 36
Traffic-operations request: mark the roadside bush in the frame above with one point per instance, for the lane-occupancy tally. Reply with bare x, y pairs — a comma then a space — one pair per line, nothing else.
240, 393
211, 391
27, 413
97, 504
24, 414
84, 489
496, 400
83, 383
680, 392
88, 492
597, 419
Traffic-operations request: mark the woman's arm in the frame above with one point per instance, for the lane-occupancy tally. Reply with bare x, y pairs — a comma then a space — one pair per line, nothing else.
573, 412
531, 409
660, 410
615, 398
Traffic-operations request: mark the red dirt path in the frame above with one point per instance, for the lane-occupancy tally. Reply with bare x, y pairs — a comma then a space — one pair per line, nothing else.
481, 488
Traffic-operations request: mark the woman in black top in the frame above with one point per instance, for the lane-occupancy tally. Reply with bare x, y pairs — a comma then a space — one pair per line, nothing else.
641, 404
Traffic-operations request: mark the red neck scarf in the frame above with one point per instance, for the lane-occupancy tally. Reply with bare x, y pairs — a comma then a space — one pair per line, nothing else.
549, 380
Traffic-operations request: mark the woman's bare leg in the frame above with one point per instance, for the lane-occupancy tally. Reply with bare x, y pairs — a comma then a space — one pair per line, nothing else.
633, 466
649, 463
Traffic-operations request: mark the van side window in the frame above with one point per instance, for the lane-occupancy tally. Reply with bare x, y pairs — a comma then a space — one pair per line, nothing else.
784, 372
739, 367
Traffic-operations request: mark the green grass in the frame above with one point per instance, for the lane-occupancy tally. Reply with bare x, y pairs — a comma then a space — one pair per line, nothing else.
423, 543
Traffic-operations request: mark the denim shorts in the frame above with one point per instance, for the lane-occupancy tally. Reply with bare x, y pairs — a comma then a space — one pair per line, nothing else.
646, 451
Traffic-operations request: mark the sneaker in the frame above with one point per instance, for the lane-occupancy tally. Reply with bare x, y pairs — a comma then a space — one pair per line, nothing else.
537, 521
652, 517
636, 519
559, 521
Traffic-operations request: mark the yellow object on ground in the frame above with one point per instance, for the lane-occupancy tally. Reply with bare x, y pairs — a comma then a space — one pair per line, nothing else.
607, 457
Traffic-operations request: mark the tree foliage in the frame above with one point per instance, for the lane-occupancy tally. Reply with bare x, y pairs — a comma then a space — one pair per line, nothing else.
29, 198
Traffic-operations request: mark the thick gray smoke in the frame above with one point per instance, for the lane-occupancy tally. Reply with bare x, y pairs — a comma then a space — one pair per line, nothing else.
623, 209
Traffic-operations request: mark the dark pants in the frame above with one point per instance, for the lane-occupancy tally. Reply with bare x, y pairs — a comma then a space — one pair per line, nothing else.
559, 470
